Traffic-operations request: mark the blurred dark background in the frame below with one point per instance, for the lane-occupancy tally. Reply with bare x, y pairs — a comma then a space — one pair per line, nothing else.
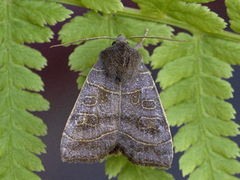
61, 91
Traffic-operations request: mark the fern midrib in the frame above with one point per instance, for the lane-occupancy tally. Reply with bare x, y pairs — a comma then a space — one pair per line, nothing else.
166, 5
200, 110
138, 14
7, 40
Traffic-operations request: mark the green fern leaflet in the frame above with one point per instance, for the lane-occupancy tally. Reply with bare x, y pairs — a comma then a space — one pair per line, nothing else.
23, 21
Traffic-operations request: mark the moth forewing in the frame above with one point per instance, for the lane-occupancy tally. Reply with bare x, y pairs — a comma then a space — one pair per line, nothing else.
144, 134
91, 132
118, 109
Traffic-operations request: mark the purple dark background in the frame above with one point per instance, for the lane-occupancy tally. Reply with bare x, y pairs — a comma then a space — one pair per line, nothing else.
61, 91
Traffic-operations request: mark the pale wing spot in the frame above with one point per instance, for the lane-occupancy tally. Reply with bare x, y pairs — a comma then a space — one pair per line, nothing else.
90, 100
148, 104
135, 97
150, 123
82, 119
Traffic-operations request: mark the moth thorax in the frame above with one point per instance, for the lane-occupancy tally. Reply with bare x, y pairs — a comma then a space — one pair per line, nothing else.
120, 61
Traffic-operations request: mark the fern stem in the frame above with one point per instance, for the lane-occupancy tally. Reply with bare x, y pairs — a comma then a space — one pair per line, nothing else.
227, 35
199, 93
69, 2
134, 13
164, 8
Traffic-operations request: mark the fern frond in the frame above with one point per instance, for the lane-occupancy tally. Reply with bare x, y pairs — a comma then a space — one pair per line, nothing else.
23, 21
194, 97
233, 8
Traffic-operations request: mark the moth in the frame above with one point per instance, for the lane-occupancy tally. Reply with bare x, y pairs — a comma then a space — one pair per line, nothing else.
118, 109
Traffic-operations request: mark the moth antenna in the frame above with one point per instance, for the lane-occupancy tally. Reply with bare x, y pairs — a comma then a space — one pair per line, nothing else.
153, 37
145, 36
87, 39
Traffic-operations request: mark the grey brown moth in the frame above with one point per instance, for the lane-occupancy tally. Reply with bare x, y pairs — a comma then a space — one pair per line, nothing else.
118, 109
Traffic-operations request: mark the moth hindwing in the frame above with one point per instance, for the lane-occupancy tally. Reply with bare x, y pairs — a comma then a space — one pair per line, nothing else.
118, 108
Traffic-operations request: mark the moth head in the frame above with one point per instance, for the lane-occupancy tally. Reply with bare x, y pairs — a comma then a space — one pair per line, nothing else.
120, 39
